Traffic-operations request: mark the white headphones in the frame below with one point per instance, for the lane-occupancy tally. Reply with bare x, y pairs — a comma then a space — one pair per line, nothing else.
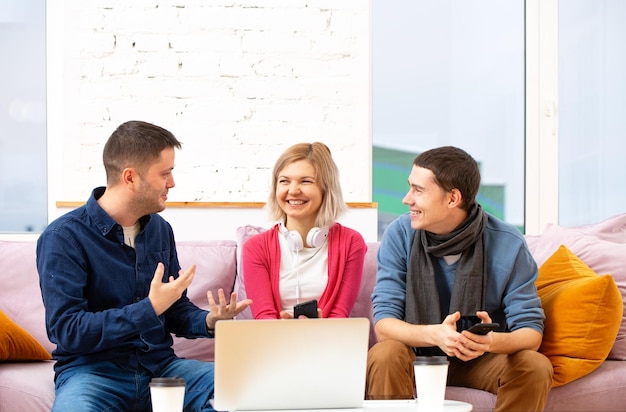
315, 237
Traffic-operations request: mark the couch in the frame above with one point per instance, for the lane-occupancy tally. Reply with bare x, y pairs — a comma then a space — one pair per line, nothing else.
27, 385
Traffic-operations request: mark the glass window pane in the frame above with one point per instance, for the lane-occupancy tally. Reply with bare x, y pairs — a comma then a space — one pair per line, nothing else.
592, 103
449, 73
23, 197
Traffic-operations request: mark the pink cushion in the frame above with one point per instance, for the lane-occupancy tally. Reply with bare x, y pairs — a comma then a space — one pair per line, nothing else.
20, 295
242, 234
602, 256
26, 386
601, 390
215, 261
612, 229
363, 306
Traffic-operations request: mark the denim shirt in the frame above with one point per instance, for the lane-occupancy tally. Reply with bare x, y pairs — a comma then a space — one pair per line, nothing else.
95, 290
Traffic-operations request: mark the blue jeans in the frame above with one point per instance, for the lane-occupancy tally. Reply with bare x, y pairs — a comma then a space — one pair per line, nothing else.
111, 386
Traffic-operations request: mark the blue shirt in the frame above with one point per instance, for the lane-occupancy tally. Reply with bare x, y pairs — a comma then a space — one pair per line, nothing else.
95, 290
511, 296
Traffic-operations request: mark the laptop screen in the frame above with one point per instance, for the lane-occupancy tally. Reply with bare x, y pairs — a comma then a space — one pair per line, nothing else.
290, 364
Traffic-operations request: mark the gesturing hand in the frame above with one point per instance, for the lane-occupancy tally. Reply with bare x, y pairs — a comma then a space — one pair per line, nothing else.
163, 295
224, 309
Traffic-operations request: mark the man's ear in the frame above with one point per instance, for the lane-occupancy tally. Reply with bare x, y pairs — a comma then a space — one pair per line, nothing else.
129, 176
455, 199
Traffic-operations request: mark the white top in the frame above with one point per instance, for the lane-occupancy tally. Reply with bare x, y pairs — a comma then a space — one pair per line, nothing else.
303, 274
130, 232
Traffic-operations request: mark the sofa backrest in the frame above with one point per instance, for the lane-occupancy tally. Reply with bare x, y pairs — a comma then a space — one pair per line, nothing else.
363, 306
215, 268
20, 295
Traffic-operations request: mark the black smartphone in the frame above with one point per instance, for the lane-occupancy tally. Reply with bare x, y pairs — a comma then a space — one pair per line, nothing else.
465, 322
308, 309
483, 328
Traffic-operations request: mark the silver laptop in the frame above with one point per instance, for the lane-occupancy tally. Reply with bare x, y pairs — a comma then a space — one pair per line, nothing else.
290, 364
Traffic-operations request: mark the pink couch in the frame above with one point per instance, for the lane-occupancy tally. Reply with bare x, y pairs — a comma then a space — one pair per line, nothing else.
28, 386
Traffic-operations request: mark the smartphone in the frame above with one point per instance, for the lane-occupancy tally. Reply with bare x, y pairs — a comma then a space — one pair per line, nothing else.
465, 322
483, 328
308, 309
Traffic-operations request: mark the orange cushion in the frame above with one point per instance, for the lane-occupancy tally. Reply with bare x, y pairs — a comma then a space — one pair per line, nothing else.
16, 344
583, 314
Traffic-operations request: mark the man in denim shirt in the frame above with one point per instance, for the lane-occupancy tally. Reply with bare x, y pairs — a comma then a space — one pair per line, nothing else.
114, 290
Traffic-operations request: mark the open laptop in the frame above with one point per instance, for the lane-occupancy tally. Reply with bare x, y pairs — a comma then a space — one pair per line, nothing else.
290, 364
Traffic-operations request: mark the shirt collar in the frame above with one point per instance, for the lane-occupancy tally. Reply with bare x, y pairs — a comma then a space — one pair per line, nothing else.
103, 221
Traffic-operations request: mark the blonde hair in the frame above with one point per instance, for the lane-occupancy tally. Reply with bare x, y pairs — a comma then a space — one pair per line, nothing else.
326, 175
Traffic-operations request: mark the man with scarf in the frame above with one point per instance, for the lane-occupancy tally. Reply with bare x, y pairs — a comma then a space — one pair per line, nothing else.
443, 264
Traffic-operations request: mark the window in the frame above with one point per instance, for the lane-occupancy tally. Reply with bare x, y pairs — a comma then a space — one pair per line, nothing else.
23, 196
592, 103
449, 73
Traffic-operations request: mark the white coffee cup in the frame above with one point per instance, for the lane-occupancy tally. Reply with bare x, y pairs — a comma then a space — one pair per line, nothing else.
168, 394
431, 374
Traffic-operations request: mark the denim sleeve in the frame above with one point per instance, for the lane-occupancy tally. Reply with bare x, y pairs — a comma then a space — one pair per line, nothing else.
72, 324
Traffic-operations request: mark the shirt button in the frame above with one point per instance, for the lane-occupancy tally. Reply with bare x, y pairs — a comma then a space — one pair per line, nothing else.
137, 299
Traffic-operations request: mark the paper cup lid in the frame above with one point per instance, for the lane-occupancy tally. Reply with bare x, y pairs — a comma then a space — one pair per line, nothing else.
167, 382
430, 360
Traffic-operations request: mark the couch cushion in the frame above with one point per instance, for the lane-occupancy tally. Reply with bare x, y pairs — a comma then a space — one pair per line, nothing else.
583, 314
612, 229
242, 234
602, 256
26, 386
17, 344
601, 390
363, 305
20, 296
215, 268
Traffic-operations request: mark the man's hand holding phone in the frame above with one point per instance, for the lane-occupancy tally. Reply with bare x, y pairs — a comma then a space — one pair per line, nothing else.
483, 328
474, 340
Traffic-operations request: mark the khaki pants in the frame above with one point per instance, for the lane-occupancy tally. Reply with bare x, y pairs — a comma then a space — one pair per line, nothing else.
521, 381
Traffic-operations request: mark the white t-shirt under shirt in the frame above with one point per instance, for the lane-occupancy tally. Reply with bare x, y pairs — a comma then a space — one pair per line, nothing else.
130, 232
303, 274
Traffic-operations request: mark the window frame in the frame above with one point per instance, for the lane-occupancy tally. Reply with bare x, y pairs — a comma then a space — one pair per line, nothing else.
542, 131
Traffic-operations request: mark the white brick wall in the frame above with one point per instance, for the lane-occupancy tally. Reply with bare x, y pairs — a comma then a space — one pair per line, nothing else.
236, 81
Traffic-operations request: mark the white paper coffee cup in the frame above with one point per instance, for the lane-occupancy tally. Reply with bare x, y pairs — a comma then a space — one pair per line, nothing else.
167, 394
431, 374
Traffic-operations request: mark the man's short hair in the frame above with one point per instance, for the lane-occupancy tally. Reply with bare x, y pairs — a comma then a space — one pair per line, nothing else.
135, 144
453, 168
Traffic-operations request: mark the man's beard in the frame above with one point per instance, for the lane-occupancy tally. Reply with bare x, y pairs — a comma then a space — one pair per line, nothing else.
147, 202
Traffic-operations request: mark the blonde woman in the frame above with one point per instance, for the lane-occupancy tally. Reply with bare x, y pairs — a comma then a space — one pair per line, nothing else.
307, 255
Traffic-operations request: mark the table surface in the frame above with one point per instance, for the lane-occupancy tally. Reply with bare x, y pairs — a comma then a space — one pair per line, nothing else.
393, 405
412, 405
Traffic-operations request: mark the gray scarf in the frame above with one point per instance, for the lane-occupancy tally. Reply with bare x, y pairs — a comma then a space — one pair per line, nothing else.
468, 291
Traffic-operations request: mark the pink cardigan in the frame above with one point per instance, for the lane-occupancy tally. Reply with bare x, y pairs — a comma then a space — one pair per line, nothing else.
261, 266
